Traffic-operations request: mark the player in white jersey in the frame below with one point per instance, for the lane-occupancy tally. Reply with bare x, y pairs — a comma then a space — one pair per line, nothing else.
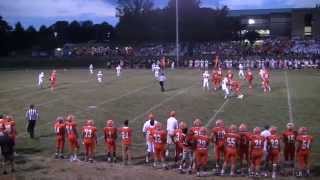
172, 65
206, 64
118, 69
99, 76
91, 68
205, 83
153, 66
156, 71
241, 73
261, 73
40, 79
225, 87
201, 63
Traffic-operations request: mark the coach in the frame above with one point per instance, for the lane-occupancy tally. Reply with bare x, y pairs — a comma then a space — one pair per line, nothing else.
32, 116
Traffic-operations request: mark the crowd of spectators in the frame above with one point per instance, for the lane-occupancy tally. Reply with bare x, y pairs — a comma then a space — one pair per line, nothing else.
274, 53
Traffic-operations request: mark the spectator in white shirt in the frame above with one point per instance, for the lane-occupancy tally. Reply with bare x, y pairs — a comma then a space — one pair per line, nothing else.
172, 125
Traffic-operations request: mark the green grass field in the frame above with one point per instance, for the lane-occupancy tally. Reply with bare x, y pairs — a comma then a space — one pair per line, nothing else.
137, 93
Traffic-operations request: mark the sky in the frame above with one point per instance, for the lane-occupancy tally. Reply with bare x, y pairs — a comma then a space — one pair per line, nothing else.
38, 12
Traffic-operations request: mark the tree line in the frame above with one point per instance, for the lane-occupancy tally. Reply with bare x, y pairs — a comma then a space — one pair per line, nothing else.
139, 21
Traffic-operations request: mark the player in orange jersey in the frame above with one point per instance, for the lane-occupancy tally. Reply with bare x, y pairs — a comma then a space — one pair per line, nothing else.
159, 139
89, 138
249, 78
289, 140
72, 135
266, 81
231, 144
201, 152
304, 142
215, 80
110, 136
178, 140
217, 137
59, 128
126, 141
256, 151
244, 146
10, 127
236, 88
273, 147
53, 80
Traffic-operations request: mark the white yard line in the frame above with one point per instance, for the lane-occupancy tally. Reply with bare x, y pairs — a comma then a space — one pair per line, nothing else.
104, 102
289, 98
217, 112
184, 90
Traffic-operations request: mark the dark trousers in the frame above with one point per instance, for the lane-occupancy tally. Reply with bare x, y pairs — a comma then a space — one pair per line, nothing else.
161, 85
30, 129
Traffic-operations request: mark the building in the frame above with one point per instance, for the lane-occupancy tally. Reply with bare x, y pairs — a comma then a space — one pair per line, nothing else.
289, 22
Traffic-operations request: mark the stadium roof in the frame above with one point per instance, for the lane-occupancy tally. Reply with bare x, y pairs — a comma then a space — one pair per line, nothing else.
248, 12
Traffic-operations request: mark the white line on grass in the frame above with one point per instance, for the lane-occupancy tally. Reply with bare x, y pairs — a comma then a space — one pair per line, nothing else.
217, 112
289, 98
158, 105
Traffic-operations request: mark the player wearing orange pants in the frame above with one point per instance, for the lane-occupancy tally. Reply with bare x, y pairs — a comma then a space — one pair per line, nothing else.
304, 142
231, 142
89, 137
72, 135
256, 144
159, 140
201, 152
273, 147
110, 136
217, 136
59, 128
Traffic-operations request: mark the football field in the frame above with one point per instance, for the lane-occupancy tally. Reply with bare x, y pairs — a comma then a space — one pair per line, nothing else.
294, 98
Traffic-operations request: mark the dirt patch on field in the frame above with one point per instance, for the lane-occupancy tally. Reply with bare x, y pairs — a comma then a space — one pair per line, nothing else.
44, 168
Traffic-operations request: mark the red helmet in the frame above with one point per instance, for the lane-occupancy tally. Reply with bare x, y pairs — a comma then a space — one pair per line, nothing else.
197, 122
243, 127
203, 131
182, 125
233, 128
70, 118
90, 122
219, 123
303, 130
273, 130
158, 126
59, 119
256, 130
110, 123
290, 126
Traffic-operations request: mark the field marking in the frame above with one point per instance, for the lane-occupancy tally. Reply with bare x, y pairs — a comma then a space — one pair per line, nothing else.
113, 99
289, 98
182, 91
217, 112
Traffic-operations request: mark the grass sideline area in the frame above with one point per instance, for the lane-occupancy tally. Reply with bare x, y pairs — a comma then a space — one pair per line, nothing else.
137, 93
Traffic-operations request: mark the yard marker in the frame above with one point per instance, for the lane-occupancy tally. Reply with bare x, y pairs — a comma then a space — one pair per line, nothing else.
289, 98
217, 112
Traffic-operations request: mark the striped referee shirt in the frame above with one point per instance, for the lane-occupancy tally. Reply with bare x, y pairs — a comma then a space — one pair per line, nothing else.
32, 114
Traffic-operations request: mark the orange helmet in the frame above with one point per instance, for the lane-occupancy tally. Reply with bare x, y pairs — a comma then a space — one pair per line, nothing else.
151, 116
197, 122
70, 117
203, 131
173, 113
273, 130
59, 119
256, 130
243, 127
219, 123
182, 125
158, 126
110, 123
290, 126
90, 122
303, 130
233, 128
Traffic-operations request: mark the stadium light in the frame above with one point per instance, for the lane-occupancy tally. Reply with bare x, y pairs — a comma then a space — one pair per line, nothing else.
177, 34
251, 21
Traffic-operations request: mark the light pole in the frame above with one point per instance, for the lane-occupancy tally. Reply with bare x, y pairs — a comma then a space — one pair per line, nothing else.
177, 33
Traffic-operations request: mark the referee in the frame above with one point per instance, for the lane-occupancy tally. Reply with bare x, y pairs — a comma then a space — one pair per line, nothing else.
32, 116
162, 79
